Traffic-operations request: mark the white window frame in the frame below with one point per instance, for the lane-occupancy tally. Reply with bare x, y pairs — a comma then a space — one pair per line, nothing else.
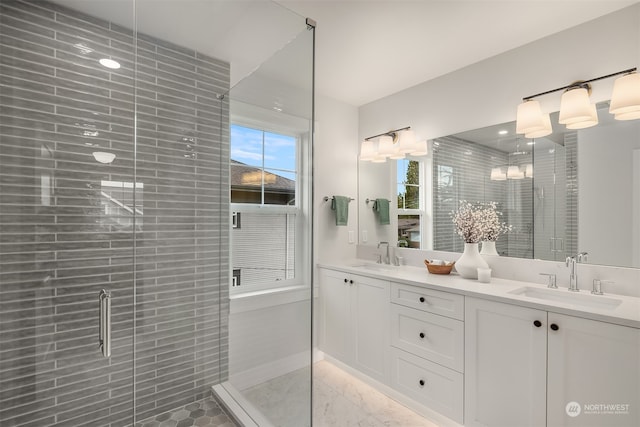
422, 191
296, 209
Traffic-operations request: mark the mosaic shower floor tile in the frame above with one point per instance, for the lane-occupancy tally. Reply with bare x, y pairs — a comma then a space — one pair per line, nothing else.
203, 413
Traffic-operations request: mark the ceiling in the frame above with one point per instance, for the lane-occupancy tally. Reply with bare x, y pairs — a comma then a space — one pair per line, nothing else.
368, 49
365, 49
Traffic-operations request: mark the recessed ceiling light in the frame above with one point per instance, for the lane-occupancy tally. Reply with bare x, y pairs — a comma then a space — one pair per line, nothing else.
503, 132
109, 63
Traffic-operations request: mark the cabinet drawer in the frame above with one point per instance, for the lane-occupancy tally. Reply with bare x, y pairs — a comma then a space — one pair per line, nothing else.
443, 303
428, 383
436, 338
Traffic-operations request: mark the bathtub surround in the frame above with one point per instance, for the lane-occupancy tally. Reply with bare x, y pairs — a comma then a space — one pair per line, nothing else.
150, 226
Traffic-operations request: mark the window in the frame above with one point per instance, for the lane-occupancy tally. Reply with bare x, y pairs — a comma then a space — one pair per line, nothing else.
117, 203
264, 187
410, 187
263, 167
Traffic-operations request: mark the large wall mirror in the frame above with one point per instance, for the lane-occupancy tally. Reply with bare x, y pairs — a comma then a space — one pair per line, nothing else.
574, 190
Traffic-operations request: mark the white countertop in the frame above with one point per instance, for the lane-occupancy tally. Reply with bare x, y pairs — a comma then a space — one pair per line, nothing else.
624, 310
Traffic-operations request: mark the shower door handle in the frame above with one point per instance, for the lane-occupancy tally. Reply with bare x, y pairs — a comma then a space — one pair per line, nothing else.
104, 336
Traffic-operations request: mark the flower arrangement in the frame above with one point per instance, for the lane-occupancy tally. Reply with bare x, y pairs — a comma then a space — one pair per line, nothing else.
478, 222
490, 222
466, 219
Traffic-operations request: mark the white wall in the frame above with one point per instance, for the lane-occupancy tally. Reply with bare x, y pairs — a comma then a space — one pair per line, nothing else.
335, 173
268, 338
606, 183
488, 92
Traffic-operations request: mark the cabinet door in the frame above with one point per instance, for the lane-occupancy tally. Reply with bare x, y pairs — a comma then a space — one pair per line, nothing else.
591, 365
335, 338
370, 304
505, 365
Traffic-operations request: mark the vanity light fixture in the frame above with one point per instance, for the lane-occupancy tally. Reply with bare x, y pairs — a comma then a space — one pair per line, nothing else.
528, 170
394, 144
514, 172
576, 110
498, 175
625, 100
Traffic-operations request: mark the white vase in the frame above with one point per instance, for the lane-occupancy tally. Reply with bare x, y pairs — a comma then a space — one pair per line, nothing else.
467, 265
488, 248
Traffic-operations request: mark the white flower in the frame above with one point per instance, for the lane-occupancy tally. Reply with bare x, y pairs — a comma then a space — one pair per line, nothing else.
477, 222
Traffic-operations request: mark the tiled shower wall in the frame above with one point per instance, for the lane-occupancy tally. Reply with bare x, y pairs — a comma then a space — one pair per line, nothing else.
461, 171
152, 226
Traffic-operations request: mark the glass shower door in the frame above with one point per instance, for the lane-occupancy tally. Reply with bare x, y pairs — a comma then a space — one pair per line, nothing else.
271, 129
68, 211
554, 190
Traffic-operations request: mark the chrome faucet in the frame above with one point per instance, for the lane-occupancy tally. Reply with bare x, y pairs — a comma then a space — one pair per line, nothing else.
387, 259
572, 263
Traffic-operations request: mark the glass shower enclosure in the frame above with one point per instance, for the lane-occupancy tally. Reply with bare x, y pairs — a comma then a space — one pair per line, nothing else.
115, 226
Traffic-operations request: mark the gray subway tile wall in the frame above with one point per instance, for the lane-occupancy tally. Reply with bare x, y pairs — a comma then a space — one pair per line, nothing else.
470, 166
571, 197
151, 226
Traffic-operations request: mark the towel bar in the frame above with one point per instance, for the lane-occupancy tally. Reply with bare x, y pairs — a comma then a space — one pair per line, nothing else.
327, 198
373, 200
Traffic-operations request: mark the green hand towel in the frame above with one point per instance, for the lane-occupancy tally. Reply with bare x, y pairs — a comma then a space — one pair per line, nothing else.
382, 208
340, 204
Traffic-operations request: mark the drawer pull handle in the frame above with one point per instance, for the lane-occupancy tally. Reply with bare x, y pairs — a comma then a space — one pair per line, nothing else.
422, 335
422, 299
537, 323
351, 282
554, 327
421, 382
346, 280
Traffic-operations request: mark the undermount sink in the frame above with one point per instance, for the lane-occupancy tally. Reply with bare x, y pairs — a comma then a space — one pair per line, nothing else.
375, 266
582, 299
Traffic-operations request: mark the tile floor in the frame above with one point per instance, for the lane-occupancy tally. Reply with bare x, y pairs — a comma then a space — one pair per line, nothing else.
339, 400
203, 413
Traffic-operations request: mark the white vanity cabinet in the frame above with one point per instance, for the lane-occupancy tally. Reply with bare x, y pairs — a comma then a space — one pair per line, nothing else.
527, 367
505, 365
427, 359
355, 321
596, 365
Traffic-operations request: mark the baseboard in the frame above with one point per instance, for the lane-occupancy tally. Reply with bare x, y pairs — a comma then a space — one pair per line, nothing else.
262, 373
318, 355
428, 413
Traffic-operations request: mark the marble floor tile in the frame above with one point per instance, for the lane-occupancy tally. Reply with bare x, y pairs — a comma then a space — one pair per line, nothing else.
339, 400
